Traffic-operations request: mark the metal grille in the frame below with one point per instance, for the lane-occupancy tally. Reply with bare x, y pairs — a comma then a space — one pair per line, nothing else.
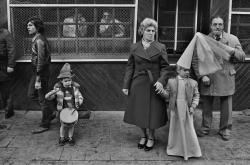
241, 4
76, 31
240, 26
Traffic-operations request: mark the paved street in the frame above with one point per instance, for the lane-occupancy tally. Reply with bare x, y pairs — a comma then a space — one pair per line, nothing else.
105, 139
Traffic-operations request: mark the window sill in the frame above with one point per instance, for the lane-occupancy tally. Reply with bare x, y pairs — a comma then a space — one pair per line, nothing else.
87, 57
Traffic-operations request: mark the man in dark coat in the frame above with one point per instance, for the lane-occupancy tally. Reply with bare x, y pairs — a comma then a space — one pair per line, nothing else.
220, 83
7, 63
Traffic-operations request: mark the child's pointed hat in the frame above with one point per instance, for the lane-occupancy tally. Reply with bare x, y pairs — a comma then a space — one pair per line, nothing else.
185, 60
66, 71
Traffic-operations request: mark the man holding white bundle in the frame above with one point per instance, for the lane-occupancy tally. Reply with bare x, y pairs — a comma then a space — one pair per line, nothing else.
222, 82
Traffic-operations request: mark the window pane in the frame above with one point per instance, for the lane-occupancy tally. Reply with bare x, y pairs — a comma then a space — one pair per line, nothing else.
240, 26
240, 4
54, 45
169, 46
240, 19
169, 5
86, 46
184, 5
186, 19
166, 33
67, 46
121, 46
181, 46
245, 46
49, 14
19, 27
33, 1
167, 18
72, 1
87, 13
75, 31
51, 31
185, 34
186, 22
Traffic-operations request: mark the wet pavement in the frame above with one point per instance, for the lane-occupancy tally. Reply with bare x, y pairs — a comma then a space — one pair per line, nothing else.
104, 139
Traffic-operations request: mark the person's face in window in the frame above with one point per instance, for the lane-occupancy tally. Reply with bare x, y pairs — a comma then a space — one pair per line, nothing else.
149, 33
31, 28
217, 26
106, 16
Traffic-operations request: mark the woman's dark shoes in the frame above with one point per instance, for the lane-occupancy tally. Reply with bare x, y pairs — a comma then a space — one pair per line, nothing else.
142, 143
149, 145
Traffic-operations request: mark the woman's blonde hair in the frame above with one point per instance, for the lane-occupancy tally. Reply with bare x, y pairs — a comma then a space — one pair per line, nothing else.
146, 23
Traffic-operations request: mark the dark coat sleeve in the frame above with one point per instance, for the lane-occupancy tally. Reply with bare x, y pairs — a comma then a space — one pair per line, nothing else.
164, 66
10, 49
129, 72
40, 55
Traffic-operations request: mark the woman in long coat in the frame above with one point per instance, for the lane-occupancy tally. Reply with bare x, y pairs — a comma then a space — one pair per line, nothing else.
145, 76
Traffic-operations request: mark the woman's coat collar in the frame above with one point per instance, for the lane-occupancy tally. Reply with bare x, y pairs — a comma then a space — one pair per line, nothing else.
153, 50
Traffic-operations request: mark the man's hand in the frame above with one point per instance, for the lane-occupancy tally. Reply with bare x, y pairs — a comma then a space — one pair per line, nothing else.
206, 80
10, 70
125, 91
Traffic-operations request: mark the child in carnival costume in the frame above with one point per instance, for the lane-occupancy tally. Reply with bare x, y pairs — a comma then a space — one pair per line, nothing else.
67, 95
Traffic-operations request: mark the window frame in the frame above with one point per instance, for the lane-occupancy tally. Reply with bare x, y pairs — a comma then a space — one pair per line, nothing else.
232, 12
88, 58
176, 22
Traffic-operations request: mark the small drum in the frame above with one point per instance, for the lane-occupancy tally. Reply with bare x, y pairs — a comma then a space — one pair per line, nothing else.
69, 116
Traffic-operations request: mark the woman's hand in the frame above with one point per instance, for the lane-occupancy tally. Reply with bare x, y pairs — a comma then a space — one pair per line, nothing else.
159, 87
125, 91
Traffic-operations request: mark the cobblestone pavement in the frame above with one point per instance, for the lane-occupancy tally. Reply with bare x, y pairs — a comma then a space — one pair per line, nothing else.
105, 139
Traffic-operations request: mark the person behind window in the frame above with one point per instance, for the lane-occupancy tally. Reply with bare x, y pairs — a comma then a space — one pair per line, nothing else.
7, 63
108, 28
145, 76
40, 62
69, 29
